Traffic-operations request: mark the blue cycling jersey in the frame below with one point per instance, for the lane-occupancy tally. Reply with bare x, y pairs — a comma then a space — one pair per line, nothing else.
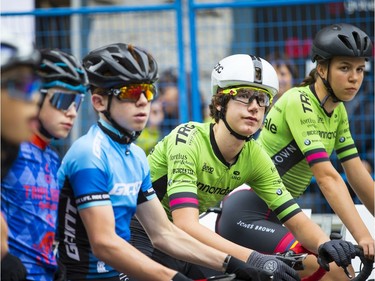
98, 171
29, 200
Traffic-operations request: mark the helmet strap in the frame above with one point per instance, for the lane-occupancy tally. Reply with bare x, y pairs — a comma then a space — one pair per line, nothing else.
42, 129
329, 89
127, 136
232, 132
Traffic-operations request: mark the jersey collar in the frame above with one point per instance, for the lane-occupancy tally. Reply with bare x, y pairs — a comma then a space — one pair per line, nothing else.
39, 142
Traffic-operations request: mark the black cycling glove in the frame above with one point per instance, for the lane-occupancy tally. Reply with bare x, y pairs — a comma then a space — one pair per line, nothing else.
244, 271
180, 277
339, 251
12, 269
280, 270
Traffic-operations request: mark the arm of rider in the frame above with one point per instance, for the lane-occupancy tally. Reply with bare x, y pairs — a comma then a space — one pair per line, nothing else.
336, 192
312, 237
158, 227
188, 220
115, 251
4, 237
361, 182
307, 232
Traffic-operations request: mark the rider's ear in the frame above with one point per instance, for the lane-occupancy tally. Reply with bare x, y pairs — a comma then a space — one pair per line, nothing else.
321, 70
99, 102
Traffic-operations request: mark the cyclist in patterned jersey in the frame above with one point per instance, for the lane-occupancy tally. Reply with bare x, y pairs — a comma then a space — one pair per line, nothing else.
105, 180
300, 132
197, 164
30, 192
19, 93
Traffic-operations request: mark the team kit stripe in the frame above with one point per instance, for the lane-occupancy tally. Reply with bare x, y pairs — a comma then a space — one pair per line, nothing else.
187, 199
316, 156
289, 156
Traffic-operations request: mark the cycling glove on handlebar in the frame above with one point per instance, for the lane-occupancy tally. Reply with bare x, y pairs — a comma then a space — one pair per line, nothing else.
339, 251
280, 270
244, 271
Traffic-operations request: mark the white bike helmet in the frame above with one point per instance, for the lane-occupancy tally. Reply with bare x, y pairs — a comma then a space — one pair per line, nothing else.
243, 69
15, 51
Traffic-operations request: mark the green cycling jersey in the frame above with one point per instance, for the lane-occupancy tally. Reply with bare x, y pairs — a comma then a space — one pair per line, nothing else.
299, 133
188, 170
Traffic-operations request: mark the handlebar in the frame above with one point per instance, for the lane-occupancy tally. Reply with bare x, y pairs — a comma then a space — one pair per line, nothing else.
366, 270
295, 261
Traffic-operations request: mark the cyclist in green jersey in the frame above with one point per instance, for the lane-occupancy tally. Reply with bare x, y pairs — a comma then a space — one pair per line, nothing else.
300, 132
197, 164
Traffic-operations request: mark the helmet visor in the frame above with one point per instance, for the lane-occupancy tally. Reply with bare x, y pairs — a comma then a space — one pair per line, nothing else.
246, 95
133, 92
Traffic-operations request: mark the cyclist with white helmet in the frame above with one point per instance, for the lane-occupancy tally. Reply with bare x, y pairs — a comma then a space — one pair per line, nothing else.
300, 133
197, 164
29, 192
105, 180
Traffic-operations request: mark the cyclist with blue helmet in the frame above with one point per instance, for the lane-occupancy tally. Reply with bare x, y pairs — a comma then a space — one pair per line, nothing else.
30, 192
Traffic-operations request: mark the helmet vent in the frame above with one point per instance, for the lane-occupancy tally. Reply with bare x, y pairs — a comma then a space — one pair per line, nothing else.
257, 69
357, 39
345, 40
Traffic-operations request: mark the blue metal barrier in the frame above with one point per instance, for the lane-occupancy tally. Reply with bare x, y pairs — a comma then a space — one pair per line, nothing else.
192, 37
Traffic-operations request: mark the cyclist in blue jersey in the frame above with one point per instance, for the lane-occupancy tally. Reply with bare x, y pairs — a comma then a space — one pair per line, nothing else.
105, 180
20, 95
30, 192
300, 133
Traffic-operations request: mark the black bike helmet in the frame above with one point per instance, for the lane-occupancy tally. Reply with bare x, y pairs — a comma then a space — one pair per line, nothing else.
116, 65
59, 69
15, 52
341, 40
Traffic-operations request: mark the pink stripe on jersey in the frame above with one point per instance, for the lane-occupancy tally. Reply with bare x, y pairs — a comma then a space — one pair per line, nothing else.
179, 201
318, 155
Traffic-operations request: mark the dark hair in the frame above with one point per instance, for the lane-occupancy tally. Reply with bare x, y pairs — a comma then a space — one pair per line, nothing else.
168, 77
311, 78
278, 59
218, 100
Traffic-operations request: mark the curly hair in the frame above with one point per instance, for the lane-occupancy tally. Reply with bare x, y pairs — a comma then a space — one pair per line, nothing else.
218, 99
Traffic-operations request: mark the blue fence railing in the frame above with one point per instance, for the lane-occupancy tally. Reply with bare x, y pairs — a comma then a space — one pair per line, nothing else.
187, 38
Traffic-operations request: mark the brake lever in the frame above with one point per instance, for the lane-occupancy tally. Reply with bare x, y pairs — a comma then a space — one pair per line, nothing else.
292, 259
347, 273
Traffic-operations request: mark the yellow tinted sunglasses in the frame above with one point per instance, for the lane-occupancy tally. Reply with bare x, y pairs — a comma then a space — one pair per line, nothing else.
246, 95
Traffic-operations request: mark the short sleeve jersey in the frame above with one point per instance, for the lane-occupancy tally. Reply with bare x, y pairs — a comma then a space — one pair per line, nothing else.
299, 133
29, 200
97, 171
188, 170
